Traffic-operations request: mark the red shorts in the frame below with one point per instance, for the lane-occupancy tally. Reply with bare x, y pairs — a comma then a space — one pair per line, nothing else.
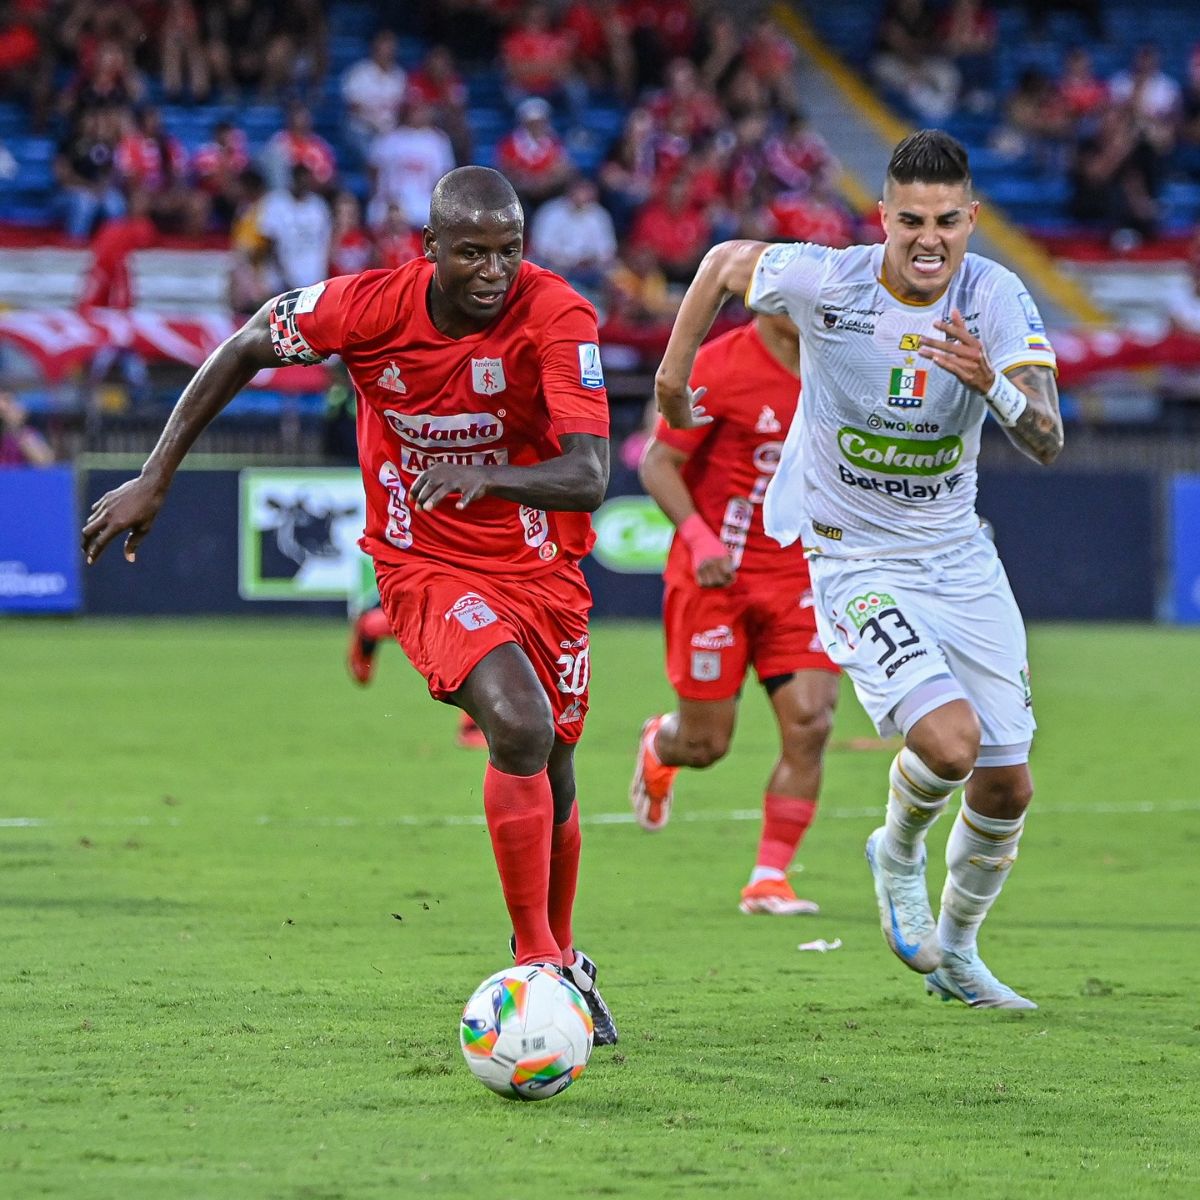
446, 619
714, 634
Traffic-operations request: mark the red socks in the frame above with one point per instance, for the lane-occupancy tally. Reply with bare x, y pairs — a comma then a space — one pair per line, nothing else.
564, 874
785, 820
374, 625
520, 813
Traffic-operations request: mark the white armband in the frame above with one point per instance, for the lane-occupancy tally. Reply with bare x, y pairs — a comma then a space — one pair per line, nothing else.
1006, 400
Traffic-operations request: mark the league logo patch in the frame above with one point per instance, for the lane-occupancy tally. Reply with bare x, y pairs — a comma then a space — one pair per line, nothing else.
906, 387
471, 611
591, 370
1031, 313
706, 666
487, 376
776, 258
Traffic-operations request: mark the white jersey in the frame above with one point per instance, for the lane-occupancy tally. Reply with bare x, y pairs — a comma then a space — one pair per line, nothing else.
881, 459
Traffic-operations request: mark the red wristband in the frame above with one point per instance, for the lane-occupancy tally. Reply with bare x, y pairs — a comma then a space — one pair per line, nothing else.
700, 540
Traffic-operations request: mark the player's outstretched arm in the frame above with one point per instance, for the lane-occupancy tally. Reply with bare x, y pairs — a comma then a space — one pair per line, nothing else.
661, 474
726, 271
575, 481
134, 505
1024, 401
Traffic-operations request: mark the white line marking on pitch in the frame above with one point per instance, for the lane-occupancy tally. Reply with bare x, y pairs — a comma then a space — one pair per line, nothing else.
1138, 808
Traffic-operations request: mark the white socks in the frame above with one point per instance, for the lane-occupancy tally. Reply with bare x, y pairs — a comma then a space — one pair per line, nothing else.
915, 800
761, 873
980, 853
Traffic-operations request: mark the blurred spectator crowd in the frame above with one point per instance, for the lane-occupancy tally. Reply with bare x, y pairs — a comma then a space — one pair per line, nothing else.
709, 140
1113, 138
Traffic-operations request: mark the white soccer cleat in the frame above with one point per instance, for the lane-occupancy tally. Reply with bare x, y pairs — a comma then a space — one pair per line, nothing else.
965, 977
904, 913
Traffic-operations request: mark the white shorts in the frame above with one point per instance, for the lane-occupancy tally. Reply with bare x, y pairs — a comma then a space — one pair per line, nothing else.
915, 633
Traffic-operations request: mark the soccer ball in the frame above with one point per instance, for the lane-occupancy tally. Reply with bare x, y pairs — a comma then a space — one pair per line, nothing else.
526, 1033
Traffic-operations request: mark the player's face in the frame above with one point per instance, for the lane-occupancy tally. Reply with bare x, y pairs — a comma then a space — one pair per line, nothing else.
477, 261
927, 227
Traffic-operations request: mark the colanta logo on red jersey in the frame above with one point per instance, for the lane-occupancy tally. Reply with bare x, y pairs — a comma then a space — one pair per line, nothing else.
439, 433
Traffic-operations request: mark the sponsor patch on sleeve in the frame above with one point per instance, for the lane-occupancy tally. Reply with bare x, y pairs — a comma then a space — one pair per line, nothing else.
591, 370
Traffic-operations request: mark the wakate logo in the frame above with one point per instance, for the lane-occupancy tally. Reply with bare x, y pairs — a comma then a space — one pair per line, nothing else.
899, 456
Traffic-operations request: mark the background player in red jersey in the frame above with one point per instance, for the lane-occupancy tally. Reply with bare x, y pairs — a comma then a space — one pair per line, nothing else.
369, 629
735, 597
483, 441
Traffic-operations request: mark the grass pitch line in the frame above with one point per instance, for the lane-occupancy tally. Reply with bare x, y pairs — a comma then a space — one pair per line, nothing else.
1140, 808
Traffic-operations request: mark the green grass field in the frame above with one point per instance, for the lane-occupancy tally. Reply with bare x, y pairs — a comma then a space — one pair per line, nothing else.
243, 904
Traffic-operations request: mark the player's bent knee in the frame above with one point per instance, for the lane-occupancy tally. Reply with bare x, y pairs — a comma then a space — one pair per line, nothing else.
807, 733
948, 749
706, 750
519, 738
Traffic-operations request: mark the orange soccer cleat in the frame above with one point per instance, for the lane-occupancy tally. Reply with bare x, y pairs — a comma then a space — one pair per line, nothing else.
776, 898
651, 788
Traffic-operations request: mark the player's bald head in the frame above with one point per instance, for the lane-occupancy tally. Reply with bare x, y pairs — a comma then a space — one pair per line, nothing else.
473, 196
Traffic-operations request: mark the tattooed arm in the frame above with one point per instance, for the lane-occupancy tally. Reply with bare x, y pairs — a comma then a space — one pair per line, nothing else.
1025, 401
1038, 431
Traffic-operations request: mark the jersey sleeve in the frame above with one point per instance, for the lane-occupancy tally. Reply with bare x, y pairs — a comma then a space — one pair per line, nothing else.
572, 374
309, 324
684, 440
787, 279
1011, 328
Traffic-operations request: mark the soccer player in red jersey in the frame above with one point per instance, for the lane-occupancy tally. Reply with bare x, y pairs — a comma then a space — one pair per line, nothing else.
483, 440
371, 627
734, 597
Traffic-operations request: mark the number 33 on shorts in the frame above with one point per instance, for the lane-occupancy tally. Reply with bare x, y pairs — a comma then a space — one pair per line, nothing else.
884, 632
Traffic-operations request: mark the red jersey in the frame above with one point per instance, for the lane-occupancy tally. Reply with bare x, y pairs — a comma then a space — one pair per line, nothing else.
752, 398
503, 395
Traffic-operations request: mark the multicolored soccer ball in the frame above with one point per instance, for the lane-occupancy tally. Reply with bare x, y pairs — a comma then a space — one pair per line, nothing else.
526, 1033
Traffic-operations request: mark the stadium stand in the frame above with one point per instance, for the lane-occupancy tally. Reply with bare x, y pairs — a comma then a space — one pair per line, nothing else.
663, 98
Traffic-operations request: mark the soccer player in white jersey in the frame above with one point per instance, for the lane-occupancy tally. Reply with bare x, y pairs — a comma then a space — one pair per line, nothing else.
905, 349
